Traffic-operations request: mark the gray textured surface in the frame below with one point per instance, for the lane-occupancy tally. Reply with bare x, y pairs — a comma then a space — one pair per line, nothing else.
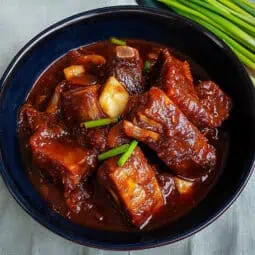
232, 234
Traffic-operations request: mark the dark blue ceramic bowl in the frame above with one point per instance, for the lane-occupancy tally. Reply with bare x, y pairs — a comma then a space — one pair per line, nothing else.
129, 22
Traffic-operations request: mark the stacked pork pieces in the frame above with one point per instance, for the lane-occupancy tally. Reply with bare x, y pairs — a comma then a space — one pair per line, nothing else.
162, 109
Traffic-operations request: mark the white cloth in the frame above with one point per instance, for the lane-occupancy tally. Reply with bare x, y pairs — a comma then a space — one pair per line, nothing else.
232, 234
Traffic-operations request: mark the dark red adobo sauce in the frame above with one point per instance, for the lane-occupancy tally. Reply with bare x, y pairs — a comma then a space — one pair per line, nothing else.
94, 206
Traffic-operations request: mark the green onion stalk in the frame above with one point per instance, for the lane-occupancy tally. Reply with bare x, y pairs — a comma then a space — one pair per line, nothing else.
243, 54
124, 157
117, 41
113, 152
222, 11
224, 19
98, 123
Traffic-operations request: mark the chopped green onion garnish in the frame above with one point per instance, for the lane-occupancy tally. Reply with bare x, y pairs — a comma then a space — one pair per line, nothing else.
98, 123
123, 159
113, 152
117, 41
146, 67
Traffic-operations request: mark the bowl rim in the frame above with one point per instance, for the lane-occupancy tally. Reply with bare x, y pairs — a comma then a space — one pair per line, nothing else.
13, 189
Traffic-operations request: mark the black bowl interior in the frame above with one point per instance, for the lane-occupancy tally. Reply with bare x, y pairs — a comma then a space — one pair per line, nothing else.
130, 22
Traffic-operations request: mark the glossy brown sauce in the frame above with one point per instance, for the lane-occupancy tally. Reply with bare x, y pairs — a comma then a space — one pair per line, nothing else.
97, 209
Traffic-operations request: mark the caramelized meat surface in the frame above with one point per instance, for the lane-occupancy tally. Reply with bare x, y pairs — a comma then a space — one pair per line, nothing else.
200, 108
54, 103
117, 135
134, 187
215, 101
167, 131
63, 160
89, 61
167, 184
126, 67
97, 138
79, 198
54, 152
77, 82
30, 119
81, 104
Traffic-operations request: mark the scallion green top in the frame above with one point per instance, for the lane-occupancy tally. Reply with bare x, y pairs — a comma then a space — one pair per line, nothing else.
124, 157
117, 41
113, 152
98, 123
